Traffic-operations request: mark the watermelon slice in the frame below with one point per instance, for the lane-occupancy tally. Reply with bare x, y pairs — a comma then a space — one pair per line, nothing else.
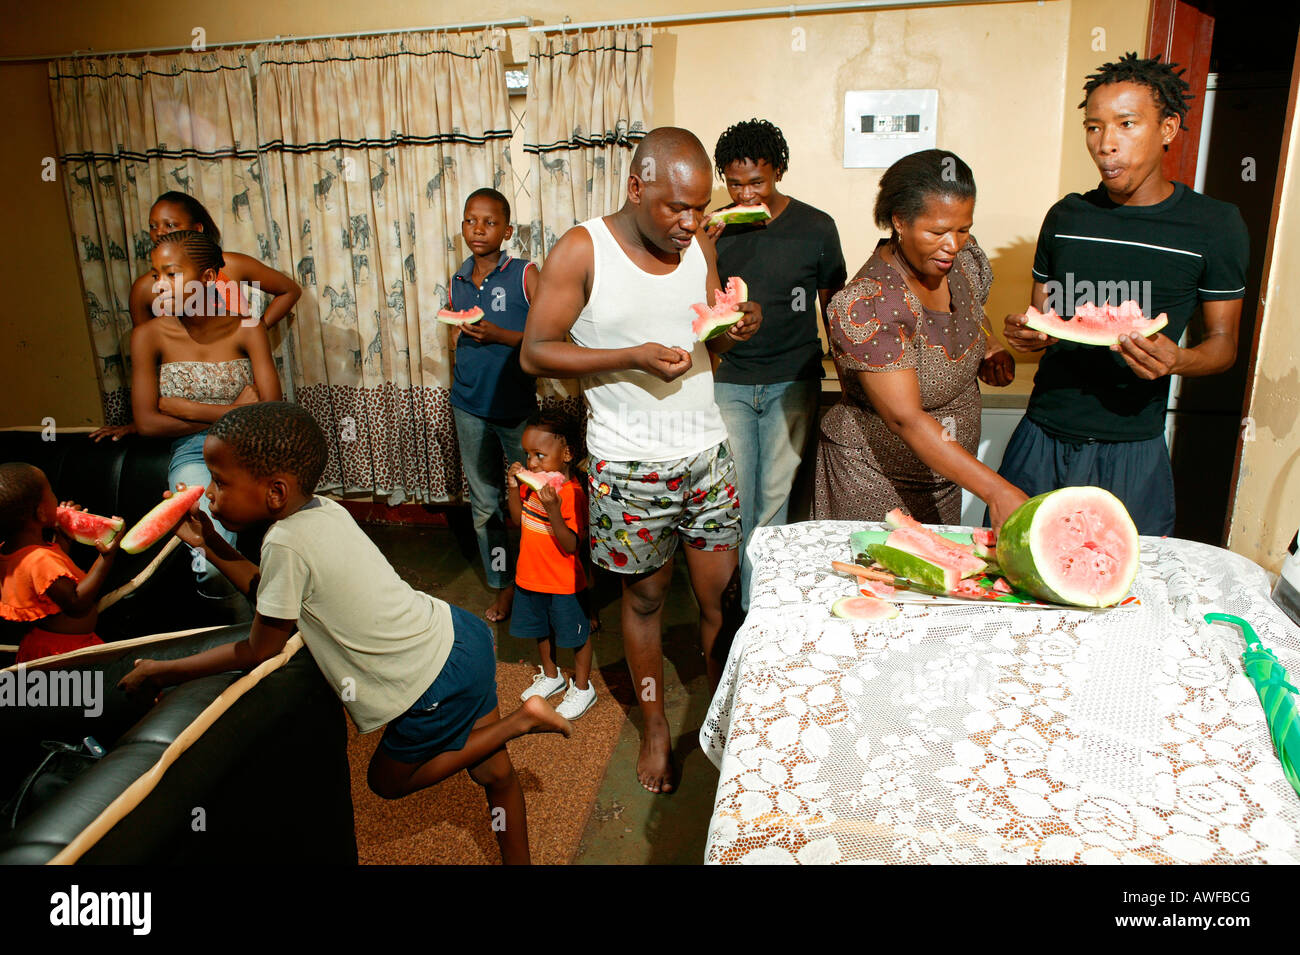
467, 317
1096, 324
933, 573
985, 544
915, 538
86, 528
539, 479
1074, 545
159, 522
864, 608
741, 215
712, 322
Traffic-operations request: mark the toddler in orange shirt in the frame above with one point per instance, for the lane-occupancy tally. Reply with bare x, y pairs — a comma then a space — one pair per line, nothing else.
550, 574
44, 596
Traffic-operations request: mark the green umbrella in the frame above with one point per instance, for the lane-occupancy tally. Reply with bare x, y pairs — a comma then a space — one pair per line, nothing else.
1275, 695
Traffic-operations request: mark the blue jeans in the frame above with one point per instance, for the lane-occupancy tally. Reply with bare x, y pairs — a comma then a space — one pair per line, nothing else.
483, 441
767, 428
187, 465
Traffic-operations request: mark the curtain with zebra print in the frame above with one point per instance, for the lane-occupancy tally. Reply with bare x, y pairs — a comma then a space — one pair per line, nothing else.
128, 129
371, 146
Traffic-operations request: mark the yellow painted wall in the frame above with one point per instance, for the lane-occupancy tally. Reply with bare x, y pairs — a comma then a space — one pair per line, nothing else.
1009, 77
1266, 511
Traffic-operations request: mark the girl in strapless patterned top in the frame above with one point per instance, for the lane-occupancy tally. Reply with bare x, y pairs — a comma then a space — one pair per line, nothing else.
194, 362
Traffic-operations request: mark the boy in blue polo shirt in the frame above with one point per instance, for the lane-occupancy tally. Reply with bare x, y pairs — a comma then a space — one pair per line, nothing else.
491, 397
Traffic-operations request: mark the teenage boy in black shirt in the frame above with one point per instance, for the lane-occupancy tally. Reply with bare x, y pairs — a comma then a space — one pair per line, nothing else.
1097, 415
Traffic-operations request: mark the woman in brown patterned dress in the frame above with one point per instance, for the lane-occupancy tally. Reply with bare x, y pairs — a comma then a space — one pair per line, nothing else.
909, 339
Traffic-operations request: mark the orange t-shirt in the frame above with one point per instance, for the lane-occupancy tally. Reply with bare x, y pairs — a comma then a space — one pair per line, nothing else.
25, 576
544, 567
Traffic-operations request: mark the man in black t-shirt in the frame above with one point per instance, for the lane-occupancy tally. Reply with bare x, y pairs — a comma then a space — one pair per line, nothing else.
768, 388
1097, 415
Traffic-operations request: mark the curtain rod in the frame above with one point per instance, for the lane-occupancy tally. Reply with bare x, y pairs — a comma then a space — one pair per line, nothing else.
446, 27
753, 13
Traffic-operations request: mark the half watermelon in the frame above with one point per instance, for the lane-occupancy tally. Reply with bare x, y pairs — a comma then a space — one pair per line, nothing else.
467, 317
1096, 324
712, 322
741, 215
160, 521
864, 608
1074, 545
539, 479
86, 528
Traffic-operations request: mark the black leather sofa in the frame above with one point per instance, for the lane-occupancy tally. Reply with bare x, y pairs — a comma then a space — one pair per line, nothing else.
232, 768
126, 478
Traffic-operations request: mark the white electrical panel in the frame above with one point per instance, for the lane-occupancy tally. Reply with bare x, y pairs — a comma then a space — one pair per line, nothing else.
883, 126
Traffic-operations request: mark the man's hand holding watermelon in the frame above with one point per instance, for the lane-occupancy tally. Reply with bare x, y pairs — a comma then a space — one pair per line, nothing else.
1150, 358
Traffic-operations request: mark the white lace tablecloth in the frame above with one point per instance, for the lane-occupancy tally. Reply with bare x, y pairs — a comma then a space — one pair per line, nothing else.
984, 733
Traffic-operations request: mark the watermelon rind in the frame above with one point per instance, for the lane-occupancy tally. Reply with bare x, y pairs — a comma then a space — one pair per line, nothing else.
1062, 329
925, 572
1024, 552
539, 479
742, 215
863, 608
468, 317
89, 529
718, 325
161, 520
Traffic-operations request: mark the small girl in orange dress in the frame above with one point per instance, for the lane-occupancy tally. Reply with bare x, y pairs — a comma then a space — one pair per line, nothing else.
43, 594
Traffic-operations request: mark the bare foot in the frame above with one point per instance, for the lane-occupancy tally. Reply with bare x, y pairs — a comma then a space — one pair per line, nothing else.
654, 769
501, 609
543, 717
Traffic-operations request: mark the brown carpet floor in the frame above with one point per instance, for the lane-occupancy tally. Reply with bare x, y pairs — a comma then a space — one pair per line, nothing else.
449, 824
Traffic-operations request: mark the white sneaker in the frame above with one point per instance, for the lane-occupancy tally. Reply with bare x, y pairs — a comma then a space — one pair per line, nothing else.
576, 701
543, 685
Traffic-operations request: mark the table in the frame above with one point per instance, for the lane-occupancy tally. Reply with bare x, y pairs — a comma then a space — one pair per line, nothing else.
981, 733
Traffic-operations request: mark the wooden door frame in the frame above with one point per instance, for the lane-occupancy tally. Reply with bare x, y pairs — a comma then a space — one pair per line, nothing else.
1180, 33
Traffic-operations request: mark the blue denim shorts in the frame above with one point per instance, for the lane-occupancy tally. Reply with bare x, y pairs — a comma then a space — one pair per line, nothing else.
463, 693
534, 616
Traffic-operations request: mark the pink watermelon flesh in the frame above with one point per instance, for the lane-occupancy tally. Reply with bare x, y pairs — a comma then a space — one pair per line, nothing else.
1074, 545
160, 521
467, 317
915, 538
983, 535
539, 479
86, 528
1096, 324
712, 322
863, 608
876, 588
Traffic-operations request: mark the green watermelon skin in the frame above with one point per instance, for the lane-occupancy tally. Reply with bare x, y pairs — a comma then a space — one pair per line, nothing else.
1019, 563
912, 567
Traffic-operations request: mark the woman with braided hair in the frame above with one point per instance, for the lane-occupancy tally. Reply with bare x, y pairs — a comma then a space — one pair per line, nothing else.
194, 362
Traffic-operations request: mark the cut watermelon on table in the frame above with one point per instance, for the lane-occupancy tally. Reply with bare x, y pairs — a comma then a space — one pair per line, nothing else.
1096, 324
1074, 545
863, 608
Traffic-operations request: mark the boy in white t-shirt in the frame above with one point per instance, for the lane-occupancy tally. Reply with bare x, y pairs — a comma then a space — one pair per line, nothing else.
395, 656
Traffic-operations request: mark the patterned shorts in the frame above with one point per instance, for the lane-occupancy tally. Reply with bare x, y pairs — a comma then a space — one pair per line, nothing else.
638, 508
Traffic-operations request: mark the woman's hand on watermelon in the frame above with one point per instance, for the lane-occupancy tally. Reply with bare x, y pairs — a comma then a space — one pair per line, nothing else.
1150, 358
998, 367
1023, 338
1003, 504
746, 328
663, 362
114, 431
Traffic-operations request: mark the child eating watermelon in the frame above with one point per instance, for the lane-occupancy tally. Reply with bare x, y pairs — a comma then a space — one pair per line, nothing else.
44, 596
550, 574
396, 656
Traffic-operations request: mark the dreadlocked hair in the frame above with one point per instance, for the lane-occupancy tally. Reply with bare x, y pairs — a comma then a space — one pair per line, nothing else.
753, 139
21, 488
559, 424
1170, 89
200, 248
274, 437
197, 212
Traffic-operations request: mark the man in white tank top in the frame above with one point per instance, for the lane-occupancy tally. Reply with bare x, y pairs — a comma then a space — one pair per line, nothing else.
621, 287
